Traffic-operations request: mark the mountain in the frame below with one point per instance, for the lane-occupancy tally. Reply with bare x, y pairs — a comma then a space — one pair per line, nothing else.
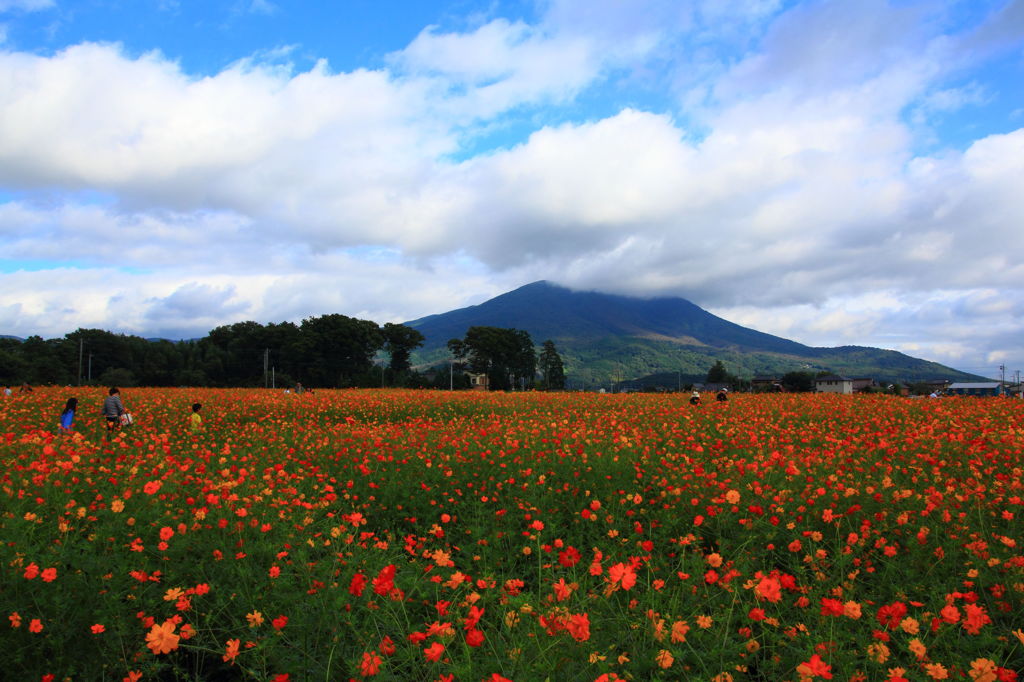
605, 337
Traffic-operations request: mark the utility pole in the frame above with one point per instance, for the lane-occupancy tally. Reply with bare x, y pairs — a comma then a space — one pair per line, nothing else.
80, 345
90, 368
266, 361
451, 374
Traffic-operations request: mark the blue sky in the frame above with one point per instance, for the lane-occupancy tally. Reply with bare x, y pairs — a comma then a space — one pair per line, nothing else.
835, 172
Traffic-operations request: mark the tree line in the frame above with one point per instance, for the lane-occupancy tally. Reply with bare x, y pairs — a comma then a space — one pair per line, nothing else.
327, 351
333, 351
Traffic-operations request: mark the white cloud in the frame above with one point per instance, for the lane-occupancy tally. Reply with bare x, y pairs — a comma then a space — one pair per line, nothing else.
791, 198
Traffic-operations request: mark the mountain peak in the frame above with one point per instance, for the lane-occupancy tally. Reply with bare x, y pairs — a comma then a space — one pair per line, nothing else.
607, 334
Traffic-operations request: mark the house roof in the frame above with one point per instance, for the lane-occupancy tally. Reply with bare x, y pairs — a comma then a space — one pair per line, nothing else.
975, 384
832, 377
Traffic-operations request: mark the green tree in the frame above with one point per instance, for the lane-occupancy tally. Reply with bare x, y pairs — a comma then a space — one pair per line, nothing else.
718, 374
801, 382
399, 342
552, 370
338, 349
506, 356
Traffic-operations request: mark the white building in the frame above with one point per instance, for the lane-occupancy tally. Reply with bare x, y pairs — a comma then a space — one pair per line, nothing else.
833, 383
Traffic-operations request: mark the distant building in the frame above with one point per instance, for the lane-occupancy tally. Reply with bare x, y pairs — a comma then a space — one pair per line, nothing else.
975, 388
833, 383
862, 384
711, 387
479, 382
765, 384
937, 386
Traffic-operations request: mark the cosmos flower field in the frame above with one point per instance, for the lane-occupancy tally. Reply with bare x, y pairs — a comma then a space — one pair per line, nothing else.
399, 535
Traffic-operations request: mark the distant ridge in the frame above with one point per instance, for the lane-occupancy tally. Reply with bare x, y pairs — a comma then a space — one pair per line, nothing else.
606, 337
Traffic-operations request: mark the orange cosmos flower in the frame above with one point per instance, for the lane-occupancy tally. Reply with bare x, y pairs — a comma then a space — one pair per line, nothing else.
579, 627
623, 575
35, 625
815, 668
231, 651
161, 639
173, 594
936, 671
975, 618
49, 575
255, 619
563, 590
983, 670
679, 630
98, 629
950, 614
15, 619
664, 659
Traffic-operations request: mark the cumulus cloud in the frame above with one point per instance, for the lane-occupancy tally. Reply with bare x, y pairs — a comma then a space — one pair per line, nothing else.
785, 190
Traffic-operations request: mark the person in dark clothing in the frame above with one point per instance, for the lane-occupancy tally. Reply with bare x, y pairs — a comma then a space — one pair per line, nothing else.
723, 395
113, 408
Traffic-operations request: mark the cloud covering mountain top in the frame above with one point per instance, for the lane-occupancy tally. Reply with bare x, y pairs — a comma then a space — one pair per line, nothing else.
834, 172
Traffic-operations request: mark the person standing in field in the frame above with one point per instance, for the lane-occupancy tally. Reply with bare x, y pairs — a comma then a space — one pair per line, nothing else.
113, 408
195, 420
695, 397
67, 417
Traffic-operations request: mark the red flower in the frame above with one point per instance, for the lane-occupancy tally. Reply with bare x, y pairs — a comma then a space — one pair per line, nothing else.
434, 651
975, 618
770, 589
815, 668
623, 575
370, 664
387, 647
890, 615
579, 627
385, 580
831, 607
279, 622
358, 584
569, 557
474, 637
475, 614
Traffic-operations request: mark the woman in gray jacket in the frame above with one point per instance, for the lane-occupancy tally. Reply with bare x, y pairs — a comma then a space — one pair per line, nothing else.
113, 408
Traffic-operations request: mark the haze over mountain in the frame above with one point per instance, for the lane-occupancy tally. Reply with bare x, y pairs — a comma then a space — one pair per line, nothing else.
605, 337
